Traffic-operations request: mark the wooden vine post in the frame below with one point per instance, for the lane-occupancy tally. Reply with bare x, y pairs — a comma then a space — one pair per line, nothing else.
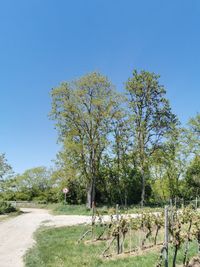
171, 205
166, 237
118, 229
183, 203
93, 218
175, 204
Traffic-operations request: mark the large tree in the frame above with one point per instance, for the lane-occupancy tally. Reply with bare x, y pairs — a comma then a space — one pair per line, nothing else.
151, 117
83, 110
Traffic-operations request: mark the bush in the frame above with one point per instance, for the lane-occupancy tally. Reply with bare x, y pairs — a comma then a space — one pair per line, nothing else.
6, 208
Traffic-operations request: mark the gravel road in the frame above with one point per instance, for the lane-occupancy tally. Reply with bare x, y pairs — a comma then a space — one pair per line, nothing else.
16, 234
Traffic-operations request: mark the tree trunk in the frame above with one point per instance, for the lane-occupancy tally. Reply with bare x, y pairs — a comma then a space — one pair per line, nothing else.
91, 194
89, 197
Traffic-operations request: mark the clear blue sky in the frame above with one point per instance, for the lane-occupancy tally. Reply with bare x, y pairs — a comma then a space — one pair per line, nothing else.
44, 42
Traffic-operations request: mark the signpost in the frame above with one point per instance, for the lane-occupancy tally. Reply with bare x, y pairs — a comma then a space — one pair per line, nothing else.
65, 191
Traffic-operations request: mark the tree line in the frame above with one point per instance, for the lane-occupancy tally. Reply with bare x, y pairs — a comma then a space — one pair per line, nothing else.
117, 147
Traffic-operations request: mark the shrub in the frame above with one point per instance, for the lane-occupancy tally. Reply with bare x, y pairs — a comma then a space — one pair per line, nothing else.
6, 207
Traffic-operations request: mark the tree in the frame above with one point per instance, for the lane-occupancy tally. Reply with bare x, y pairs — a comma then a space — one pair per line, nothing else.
192, 179
5, 168
83, 111
168, 166
66, 175
5, 172
35, 180
34, 183
120, 152
192, 135
151, 117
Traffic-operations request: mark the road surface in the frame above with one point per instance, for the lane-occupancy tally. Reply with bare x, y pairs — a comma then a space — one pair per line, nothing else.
16, 234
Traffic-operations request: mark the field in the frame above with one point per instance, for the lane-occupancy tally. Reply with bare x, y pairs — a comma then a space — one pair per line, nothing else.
120, 241
59, 247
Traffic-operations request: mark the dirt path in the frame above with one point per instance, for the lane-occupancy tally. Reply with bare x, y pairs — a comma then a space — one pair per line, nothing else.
16, 234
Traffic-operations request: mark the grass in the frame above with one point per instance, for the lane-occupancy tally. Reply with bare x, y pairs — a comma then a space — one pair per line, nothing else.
59, 248
9, 215
60, 208
66, 209
3, 217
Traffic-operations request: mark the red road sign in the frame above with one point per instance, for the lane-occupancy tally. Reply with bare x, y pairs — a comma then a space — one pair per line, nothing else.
65, 190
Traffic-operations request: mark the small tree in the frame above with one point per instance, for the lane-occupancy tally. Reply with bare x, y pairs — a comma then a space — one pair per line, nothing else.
192, 179
168, 166
192, 135
5, 168
5, 172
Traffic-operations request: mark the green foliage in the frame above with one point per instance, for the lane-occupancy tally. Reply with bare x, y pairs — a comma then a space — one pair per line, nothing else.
192, 135
168, 166
151, 117
5, 168
33, 184
83, 111
120, 150
6, 208
114, 148
192, 180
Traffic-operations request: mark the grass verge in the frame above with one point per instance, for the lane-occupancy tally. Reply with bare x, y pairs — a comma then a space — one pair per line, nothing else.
10, 215
66, 209
60, 208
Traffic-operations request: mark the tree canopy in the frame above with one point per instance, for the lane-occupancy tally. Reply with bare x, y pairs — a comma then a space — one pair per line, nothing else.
124, 147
